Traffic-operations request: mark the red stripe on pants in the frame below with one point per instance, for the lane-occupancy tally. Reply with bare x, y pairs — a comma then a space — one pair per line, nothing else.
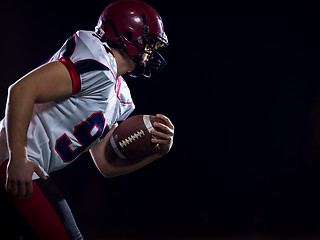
38, 212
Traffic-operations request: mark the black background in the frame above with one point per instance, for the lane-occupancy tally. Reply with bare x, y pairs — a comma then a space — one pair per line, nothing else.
242, 88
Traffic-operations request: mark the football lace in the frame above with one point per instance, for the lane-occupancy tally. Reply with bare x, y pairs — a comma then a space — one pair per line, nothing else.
131, 138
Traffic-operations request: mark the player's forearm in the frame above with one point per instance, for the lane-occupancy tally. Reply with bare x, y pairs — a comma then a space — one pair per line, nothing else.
19, 109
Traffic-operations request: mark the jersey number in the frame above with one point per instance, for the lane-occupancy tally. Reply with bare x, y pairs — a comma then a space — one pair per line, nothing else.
86, 133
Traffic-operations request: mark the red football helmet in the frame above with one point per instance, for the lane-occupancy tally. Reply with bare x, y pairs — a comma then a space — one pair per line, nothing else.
138, 29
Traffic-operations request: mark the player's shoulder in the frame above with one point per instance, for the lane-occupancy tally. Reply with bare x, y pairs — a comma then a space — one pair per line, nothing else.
91, 41
89, 46
85, 36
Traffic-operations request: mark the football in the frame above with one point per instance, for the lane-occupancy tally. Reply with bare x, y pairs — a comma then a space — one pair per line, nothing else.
132, 138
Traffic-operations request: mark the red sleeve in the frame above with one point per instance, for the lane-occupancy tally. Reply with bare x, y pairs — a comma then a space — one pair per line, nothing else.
75, 76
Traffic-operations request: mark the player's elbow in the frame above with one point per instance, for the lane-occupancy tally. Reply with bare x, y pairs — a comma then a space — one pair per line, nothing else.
20, 90
111, 174
14, 90
107, 170
110, 170
108, 174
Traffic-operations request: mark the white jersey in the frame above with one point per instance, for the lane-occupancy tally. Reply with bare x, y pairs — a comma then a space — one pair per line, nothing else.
61, 130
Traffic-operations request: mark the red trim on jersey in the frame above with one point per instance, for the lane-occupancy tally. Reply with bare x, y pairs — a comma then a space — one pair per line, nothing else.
75, 76
117, 89
38, 212
119, 86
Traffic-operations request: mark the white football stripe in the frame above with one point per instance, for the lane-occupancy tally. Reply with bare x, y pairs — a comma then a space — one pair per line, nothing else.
115, 148
147, 122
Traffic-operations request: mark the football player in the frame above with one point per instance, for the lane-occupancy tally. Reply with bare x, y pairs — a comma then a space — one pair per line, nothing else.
70, 105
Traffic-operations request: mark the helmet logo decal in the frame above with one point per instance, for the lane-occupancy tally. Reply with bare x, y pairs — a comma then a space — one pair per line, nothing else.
99, 31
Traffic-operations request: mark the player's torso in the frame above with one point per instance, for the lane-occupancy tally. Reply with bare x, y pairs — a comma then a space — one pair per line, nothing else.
61, 130
71, 127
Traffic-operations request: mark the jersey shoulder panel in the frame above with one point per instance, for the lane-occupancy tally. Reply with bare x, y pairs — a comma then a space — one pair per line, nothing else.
88, 58
91, 47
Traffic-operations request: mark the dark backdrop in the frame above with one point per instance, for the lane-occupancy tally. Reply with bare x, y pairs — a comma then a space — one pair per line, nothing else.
241, 86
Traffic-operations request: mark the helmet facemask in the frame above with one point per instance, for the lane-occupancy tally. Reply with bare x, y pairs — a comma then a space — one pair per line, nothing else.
149, 62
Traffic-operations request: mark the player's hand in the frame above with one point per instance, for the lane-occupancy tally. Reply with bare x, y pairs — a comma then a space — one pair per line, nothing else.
164, 134
19, 177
